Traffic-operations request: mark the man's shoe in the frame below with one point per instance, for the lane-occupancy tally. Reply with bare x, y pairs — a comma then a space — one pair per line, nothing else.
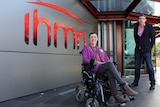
152, 87
133, 84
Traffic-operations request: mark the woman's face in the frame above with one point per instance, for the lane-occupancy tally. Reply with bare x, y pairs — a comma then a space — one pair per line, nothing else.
93, 39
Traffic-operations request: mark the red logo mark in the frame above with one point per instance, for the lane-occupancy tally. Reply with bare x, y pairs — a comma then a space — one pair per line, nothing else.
56, 26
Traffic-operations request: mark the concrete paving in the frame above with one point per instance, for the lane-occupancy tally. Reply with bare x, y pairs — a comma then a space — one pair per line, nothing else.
65, 96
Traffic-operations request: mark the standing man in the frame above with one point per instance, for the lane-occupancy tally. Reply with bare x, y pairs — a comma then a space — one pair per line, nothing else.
144, 36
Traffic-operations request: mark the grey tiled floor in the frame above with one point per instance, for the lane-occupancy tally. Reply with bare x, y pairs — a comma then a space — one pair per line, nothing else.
64, 96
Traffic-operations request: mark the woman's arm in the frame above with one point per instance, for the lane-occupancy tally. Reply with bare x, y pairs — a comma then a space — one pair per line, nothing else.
104, 55
85, 55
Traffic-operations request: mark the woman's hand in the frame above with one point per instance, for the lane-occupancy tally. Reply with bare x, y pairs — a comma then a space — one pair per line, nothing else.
100, 62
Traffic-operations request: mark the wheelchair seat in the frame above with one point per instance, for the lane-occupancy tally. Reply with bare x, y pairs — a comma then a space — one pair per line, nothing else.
90, 77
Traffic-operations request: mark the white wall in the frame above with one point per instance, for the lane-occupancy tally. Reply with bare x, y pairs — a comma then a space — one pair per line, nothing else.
27, 69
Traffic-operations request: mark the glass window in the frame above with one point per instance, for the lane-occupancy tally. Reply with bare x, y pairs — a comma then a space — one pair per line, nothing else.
111, 5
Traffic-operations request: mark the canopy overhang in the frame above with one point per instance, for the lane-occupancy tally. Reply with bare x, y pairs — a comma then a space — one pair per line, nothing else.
127, 14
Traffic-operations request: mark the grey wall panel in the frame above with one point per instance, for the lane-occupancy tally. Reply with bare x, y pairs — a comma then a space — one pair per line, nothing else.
28, 69
25, 73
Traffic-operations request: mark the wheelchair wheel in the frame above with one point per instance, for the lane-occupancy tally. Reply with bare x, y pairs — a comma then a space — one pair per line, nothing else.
92, 103
79, 92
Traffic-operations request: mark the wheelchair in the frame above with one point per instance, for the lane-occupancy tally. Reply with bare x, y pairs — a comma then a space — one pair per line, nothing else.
95, 88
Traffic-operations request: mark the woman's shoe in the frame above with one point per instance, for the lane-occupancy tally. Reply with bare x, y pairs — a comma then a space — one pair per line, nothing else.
129, 91
120, 99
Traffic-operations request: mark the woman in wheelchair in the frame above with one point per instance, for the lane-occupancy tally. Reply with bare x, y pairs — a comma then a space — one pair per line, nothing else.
102, 65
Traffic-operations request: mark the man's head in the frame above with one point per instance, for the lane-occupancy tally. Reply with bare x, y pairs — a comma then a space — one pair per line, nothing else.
93, 38
142, 19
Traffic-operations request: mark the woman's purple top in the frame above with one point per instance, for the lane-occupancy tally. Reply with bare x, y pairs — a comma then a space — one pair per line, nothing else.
96, 53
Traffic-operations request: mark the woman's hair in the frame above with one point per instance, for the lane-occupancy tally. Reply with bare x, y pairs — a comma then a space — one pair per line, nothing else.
92, 33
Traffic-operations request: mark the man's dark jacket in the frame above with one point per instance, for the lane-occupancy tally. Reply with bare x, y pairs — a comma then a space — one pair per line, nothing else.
147, 39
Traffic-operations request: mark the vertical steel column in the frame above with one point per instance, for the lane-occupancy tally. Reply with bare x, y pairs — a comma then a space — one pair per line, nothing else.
124, 43
99, 33
105, 41
110, 36
102, 34
114, 42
